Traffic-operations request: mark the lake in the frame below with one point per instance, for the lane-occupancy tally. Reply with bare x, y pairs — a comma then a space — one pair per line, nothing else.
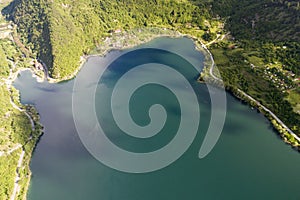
248, 162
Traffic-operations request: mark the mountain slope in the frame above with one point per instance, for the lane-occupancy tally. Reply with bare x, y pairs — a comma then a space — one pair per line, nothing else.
276, 20
65, 29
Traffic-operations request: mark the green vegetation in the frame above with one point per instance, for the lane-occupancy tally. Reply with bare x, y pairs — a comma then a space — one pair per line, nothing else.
262, 57
59, 32
8, 167
293, 97
16, 133
274, 20
4, 70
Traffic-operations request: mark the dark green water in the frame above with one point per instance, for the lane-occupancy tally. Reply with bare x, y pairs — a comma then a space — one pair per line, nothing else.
248, 162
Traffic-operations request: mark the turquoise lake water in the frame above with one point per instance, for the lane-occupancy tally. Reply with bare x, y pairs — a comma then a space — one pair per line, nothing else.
249, 161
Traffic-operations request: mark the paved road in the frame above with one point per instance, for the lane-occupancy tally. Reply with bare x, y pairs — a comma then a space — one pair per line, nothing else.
251, 98
272, 114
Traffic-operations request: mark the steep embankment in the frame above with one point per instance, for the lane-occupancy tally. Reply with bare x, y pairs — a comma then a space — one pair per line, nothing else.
33, 25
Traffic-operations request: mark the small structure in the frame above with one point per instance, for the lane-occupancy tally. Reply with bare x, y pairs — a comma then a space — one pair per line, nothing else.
118, 31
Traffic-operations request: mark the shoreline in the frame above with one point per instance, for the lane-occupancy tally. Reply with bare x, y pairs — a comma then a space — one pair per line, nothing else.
199, 46
102, 52
209, 64
20, 188
282, 129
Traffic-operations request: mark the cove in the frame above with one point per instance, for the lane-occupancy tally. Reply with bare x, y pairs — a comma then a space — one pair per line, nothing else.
248, 162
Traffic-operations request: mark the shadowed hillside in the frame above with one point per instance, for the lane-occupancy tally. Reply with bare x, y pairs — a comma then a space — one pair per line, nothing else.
276, 20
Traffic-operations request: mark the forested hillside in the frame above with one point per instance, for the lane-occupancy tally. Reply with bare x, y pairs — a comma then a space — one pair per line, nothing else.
61, 31
276, 20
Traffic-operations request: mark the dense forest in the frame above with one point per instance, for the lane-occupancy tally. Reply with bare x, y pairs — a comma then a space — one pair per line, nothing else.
61, 31
273, 20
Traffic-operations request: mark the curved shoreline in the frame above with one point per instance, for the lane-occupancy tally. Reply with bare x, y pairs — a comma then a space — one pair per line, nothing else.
209, 64
83, 59
199, 45
23, 157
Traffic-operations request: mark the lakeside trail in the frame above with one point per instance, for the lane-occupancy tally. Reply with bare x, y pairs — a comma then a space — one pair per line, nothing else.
211, 71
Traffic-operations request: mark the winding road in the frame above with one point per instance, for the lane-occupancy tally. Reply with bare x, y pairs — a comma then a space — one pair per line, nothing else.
16, 189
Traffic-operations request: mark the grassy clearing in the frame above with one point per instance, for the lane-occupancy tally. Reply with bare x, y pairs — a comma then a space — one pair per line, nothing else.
294, 99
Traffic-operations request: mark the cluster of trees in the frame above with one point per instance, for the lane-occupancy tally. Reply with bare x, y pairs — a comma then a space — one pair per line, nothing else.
8, 166
4, 67
15, 127
33, 26
285, 134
